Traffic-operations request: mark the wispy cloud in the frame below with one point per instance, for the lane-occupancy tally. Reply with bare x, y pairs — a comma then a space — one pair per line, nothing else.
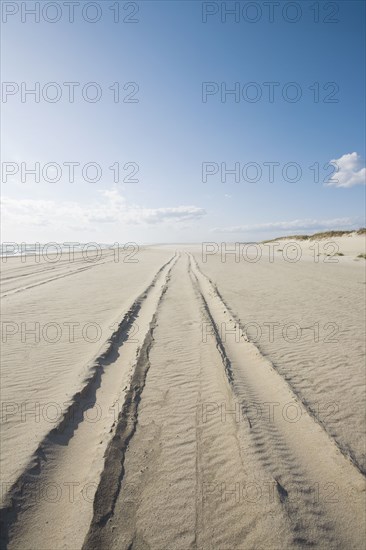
349, 172
296, 225
112, 209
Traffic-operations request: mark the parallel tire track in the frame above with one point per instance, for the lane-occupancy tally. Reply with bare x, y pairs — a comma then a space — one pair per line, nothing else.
112, 475
16, 497
276, 444
296, 457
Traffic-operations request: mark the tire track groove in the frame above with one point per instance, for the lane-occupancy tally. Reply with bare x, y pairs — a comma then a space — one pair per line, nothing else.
73, 416
113, 472
274, 443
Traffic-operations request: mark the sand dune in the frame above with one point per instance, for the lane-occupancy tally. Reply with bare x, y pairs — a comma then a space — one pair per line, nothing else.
186, 434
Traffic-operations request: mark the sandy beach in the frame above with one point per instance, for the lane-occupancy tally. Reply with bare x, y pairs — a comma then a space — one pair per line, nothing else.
203, 398
183, 275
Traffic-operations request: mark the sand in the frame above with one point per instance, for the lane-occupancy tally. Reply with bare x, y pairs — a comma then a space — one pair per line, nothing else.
77, 308
308, 317
179, 427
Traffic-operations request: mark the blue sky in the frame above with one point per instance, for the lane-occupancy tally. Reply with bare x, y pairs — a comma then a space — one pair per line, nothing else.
170, 132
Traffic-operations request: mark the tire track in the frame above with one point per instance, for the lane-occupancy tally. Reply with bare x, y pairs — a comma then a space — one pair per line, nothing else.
270, 446
51, 279
161, 445
57, 455
112, 475
319, 388
166, 463
300, 456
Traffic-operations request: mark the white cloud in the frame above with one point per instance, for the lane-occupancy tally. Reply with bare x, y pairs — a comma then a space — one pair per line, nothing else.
349, 171
295, 225
159, 215
112, 210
